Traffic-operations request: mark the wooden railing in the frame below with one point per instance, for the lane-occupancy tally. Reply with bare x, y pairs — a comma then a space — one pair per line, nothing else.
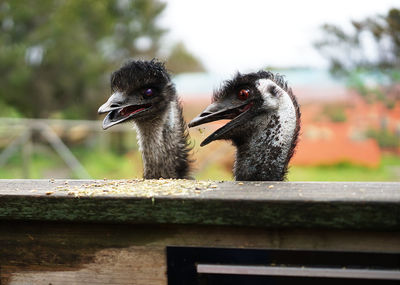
48, 236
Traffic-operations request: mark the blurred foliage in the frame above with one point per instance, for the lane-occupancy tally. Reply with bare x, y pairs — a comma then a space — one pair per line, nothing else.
181, 60
56, 56
335, 112
348, 51
384, 138
368, 55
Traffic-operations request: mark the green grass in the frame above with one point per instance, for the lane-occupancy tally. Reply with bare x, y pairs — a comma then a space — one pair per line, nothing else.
40, 162
389, 170
100, 164
104, 163
214, 172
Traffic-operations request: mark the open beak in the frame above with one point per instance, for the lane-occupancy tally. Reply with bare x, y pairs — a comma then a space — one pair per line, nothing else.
220, 111
120, 109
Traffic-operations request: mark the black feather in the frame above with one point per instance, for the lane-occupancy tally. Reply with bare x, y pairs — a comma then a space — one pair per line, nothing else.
138, 73
250, 161
173, 160
244, 80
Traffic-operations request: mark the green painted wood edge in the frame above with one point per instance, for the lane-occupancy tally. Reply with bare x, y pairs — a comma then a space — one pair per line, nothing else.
265, 214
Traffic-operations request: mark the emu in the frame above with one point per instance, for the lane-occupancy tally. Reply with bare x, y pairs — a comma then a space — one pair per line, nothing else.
142, 93
264, 126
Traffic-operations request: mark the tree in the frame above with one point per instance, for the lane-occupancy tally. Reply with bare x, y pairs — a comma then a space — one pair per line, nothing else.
372, 43
370, 50
181, 60
56, 56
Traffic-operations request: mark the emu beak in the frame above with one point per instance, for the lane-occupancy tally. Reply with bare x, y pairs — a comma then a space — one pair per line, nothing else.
113, 103
213, 112
219, 111
120, 109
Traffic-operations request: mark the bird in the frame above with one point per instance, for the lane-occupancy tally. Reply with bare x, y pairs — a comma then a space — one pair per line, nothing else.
143, 93
264, 124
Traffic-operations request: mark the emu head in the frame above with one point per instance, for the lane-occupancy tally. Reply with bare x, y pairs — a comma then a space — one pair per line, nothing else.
248, 101
141, 90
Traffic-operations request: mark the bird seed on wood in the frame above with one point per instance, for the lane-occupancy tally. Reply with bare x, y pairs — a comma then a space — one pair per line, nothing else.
140, 187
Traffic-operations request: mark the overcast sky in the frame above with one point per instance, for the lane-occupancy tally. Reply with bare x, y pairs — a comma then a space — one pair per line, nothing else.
231, 35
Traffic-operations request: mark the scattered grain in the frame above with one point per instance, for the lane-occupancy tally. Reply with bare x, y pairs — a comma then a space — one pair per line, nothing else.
140, 188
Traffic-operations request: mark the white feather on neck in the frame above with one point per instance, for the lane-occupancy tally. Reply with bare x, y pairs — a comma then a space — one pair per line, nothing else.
284, 106
272, 139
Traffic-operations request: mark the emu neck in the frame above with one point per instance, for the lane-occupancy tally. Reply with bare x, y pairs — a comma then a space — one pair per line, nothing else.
265, 153
162, 142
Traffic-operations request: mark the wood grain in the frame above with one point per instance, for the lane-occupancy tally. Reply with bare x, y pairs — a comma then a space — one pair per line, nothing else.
74, 253
61, 239
275, 205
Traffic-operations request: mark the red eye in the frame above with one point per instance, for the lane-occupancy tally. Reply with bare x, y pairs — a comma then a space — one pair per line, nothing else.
243, 94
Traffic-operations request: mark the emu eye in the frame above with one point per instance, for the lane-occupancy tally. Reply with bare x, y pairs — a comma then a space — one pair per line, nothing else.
148, 92
243, 94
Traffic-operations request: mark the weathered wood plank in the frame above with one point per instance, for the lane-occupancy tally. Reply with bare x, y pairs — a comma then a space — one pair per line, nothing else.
260, 191
259, 204
74, 253
62, 239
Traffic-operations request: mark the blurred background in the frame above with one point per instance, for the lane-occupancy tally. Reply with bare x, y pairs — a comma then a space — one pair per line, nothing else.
342, 59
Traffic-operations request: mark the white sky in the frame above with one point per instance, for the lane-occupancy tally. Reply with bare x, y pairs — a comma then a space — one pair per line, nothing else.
232, 35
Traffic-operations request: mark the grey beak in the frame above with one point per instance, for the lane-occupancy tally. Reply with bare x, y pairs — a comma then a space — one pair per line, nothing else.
114, 102
219, 111
214, 112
